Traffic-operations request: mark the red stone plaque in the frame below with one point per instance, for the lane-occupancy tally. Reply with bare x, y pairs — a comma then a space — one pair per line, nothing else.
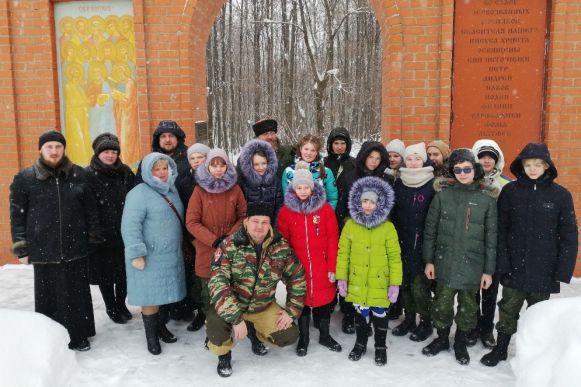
498, 73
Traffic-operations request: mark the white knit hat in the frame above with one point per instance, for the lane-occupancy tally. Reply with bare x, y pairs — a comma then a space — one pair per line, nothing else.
396, 146
416, 149
302, 175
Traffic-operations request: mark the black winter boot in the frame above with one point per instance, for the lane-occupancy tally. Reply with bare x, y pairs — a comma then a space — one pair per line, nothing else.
408, 325
225, 365
150, 323
303, 343
460, 350
108, 293
198, 321
347, 324
120, 296
487, 339
258, 347
122, 308
325, 338
423, 331
362, 334
500, 352
165, 335
472, 337
380, 325
394, 311
439, 344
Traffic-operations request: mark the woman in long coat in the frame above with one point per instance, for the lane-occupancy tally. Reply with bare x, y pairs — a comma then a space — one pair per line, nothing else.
109, 181
152, 229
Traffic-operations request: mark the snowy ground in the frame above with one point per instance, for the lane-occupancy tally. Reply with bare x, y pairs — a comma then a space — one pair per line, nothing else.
118, 355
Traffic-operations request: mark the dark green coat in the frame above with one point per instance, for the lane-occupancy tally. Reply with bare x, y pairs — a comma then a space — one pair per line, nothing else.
460, 235
285, 156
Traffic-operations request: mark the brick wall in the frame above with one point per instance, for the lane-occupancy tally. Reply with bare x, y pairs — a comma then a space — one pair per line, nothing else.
171, 38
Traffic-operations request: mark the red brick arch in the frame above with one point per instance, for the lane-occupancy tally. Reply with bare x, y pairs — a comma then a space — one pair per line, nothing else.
198, 17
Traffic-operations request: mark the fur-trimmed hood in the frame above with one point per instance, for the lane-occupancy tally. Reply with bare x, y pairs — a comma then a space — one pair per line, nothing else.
385, 201
491, 189
312, 204
210, 184
147, 176
251, 177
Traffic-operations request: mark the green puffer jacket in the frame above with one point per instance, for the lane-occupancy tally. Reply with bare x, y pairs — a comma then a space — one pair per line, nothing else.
239, 284
460, 234
369, 254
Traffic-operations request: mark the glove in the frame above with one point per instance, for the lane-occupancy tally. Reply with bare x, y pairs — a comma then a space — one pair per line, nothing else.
342, 286
331, 276
392, 293
218, 241
138, 263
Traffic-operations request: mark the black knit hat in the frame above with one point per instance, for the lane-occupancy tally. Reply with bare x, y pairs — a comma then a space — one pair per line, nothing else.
263, 126
51, 135
461, 155
259, 209
488, 150
105, 141
169, 126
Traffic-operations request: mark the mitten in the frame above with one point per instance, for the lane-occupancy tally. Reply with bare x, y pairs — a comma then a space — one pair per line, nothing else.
342, 286
331, 276
392, 293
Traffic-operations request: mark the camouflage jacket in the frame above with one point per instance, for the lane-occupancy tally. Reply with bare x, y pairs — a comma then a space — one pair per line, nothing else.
238, 284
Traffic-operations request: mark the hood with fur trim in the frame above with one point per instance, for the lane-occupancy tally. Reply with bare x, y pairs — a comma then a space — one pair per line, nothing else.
366, 149
147, 175
478, 145
245, 161
312, 204
534, 151
385, 202
210, 184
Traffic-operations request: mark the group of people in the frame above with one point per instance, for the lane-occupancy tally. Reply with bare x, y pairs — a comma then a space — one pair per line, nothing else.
194, 236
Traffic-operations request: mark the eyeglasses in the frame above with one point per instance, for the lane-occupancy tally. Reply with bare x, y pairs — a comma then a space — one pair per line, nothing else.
466, 170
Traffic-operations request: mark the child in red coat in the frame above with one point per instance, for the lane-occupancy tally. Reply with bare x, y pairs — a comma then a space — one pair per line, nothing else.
308, 222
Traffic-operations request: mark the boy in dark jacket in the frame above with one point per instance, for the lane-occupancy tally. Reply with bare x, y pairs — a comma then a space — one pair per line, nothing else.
537, 240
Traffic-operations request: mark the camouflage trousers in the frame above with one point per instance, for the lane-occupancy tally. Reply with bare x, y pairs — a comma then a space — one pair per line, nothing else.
204, 294
416, 294
219, 332
443, 308
510, 305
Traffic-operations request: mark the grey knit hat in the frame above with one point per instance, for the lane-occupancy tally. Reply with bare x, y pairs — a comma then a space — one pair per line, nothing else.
396, 146
198, 148
303, 175
369, 195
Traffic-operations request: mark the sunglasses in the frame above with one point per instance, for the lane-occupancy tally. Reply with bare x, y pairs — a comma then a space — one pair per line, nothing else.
466, 170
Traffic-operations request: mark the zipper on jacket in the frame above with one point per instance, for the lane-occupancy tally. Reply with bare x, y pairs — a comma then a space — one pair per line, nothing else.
416, 240
309, 257
535, 187
467, 221
58, 193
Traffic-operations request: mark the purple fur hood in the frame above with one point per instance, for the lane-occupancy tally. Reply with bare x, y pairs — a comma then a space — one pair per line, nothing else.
385, 201
312, 204
210, 184
245, 162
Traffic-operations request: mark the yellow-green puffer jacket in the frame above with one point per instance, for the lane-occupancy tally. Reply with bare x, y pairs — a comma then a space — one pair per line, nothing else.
369, 255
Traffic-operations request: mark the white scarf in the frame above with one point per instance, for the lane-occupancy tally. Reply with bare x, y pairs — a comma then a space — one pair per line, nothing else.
416, 177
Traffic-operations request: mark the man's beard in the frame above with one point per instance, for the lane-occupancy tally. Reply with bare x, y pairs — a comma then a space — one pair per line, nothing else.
168, 152
50, 163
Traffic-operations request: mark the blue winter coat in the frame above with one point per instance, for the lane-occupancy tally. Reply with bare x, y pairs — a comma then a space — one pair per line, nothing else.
151, 229
328, 183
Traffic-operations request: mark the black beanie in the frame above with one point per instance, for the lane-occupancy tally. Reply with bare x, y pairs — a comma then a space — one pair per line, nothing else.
263, 126
488, 151
105, 141
51, 135
259, 209
169, 126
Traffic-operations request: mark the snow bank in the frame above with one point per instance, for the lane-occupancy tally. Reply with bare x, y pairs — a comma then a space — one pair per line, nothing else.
548, 344
35, 350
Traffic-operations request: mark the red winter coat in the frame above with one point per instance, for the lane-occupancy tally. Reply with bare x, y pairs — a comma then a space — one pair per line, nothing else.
312, 231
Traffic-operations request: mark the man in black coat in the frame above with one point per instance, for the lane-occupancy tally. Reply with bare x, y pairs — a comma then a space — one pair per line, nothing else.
267, 130
53, 220
169, 139
537, 240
